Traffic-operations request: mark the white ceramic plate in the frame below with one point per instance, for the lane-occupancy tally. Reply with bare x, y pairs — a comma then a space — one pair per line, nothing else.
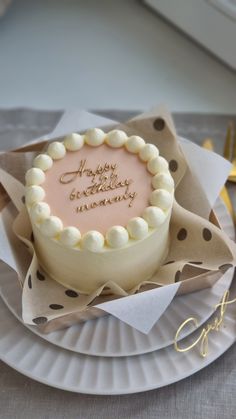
44, 362
107, 336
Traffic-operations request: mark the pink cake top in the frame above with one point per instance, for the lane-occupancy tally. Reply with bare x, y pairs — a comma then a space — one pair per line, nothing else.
96, 188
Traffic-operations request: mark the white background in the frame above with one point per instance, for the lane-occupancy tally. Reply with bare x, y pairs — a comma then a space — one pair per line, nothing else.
105, 54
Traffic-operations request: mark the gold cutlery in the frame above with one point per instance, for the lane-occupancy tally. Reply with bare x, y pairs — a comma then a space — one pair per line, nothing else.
230, 150
209, 145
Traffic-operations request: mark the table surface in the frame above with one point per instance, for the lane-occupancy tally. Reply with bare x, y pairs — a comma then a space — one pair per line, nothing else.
210, 393
105, 54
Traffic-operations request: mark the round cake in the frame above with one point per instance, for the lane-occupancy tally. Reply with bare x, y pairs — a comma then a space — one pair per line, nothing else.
100, 207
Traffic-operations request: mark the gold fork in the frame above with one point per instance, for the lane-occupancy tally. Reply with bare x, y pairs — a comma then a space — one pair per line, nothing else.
230, 150
208, 145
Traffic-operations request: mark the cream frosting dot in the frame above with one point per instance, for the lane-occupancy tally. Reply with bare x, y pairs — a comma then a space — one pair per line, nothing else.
134, 144
74, 142
116, 138
93, 241
163, 181
70, 236
34, 176
43, 162
94, 137
161, 198
56, 150
137, 228
148, 152
51, 226
34, 194
117, 236
40, 211
157, 165
154, 216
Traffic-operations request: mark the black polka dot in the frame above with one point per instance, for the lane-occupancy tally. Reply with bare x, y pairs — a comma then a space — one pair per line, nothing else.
71, 293
23, 199
168, 263
182, 234
40, 320
195, 262
173, 165
225, 267
40, 276
177, 276
56, 306
159, 124
32, 237
207, 234
30, 282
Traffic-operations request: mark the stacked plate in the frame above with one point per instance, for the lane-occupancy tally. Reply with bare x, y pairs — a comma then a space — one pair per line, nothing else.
106, 356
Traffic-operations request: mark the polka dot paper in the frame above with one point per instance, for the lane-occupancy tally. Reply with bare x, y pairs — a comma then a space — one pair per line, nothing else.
197, 246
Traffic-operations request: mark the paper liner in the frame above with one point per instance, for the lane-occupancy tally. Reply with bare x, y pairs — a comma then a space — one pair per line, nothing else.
198, 248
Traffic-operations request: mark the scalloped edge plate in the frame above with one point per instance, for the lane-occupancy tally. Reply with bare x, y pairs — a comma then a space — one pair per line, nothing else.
56, 367
108, 336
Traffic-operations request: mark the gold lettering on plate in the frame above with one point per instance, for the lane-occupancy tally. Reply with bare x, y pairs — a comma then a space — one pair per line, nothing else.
103, 179
203, 338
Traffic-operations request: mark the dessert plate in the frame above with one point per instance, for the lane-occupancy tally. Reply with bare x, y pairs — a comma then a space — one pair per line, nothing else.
46, 363
108, 336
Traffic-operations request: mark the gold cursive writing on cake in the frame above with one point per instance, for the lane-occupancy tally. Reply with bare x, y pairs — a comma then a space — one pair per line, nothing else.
103, 179
105, 184
69, 177
203, 337
108, 201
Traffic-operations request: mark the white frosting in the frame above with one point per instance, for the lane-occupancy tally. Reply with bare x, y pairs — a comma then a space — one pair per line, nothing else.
56, 150
85, 264
94, 137
163, 181
86, 271
157, 165
70, 236
43, 162
134, 144
116, 138
34, 176
148, 152
34, 194
154, 216
137, 228
40, 211
161, 198
51, 226
117, 236
93, 241
74, 142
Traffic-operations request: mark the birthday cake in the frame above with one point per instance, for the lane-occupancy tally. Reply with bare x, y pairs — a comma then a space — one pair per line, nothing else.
100, 206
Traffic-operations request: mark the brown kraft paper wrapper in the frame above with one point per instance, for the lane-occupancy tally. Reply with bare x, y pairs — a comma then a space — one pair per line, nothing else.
199, 250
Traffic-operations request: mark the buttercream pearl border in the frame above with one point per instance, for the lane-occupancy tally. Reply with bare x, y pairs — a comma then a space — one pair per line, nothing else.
137, 228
